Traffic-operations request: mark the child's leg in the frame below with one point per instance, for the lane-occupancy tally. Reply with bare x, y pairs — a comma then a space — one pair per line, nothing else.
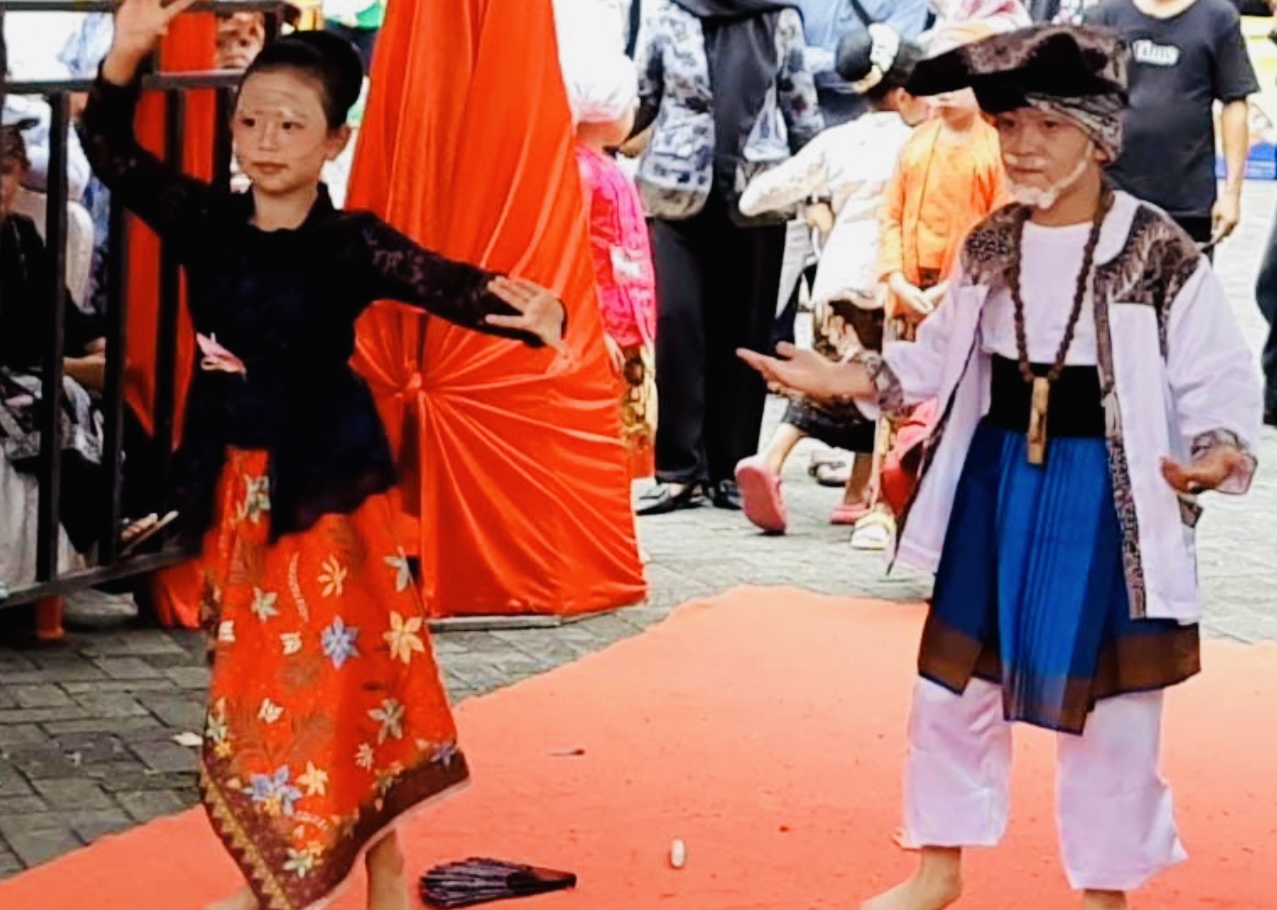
387, 883
858, 489
1117, 822
957, 781
780, 447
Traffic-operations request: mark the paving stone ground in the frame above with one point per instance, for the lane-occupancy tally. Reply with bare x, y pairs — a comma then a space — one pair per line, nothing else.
87, 728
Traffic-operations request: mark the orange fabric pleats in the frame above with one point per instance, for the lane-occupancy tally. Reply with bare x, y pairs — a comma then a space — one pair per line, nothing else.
514, 468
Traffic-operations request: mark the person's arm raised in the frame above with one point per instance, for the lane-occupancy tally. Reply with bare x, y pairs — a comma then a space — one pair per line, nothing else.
171, 203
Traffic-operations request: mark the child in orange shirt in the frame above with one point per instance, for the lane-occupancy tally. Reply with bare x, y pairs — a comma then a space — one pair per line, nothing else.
949, 177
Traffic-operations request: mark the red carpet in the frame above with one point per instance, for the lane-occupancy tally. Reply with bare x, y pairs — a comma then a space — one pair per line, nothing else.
765, 729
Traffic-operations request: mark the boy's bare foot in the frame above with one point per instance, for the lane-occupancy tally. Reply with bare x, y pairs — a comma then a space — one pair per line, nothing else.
1104, 900
240, 900
387, 883
937, 884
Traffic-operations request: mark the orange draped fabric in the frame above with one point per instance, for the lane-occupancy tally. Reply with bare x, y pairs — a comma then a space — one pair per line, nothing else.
189, 46
518, 476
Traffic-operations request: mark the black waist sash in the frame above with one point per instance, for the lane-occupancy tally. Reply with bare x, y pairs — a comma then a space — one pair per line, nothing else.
1074, 408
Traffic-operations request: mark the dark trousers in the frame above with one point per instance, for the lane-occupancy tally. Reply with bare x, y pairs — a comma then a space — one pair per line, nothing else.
1200, 228
1266, 296
716, 287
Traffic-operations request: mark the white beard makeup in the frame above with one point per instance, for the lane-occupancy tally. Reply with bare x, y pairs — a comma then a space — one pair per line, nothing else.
1042, 198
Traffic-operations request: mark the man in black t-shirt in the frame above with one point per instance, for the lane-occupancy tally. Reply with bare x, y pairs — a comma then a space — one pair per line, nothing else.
1186, 55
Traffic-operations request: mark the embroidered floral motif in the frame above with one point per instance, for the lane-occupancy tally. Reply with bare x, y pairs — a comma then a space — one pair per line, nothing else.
264, 604
404, 639
390, 715
1156, 262
295, 788
891, 395
676, 172
1119, 468
256, 499
333, 578
314, 780
338, 642
403, 570
275, 793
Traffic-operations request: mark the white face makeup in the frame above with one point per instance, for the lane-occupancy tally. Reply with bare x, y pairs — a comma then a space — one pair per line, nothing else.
1045, 156
282, 139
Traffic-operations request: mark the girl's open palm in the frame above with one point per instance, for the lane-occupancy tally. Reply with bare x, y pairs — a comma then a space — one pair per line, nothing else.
140, 24
540, 312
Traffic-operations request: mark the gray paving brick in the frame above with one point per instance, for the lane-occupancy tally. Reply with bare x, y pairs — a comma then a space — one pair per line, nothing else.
35, 839
159, 684
127, 668
27, 716
46, 696
22, 805
166, 757
13, 783
143, 643
9, 863
181, 712
89, 825
120, 726
110, 704
92, 748
21, 734
144, 805
187, 677
72, 793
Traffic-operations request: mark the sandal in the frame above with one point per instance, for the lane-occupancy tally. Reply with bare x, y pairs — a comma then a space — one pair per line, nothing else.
874, 532
138, 532
760, 495
833, 475
849, 513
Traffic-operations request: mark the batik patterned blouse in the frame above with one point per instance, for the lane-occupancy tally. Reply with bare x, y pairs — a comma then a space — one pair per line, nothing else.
285, 303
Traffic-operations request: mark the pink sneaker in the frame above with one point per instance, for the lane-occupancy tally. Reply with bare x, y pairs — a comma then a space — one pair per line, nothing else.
760, 495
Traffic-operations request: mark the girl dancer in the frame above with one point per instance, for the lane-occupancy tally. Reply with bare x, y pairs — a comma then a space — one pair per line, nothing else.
327, 722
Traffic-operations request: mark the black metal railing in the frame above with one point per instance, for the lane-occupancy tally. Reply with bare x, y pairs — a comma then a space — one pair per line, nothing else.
108, 564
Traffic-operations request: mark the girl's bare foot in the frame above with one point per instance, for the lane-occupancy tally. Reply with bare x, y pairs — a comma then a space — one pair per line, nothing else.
937, 884
1104, 900
387, 883
240, 900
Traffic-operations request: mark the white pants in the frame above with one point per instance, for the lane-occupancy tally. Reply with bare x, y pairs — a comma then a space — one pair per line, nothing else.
1116, 822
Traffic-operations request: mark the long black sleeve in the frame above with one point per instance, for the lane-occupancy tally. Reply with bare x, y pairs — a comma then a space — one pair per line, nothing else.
401, 269
172, 204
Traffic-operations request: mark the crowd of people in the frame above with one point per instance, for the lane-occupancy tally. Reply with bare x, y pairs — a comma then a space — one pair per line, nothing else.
1038, 444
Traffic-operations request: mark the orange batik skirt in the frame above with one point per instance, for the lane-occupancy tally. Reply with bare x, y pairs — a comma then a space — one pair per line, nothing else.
327, 721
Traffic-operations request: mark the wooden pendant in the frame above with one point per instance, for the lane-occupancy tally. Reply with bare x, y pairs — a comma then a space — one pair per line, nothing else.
1037, 420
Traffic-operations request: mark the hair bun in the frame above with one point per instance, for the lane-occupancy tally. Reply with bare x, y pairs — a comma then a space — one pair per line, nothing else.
854, 57
341, 56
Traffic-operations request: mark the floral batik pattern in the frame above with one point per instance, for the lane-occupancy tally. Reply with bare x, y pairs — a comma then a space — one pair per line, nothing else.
638, 410
327, 720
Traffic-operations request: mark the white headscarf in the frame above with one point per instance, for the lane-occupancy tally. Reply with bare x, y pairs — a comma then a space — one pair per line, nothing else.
602, 87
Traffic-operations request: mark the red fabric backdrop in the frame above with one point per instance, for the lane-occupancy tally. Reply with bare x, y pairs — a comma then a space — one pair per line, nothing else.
516, 471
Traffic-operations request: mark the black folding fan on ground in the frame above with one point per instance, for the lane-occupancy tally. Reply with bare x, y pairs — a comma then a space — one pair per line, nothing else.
480, 881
